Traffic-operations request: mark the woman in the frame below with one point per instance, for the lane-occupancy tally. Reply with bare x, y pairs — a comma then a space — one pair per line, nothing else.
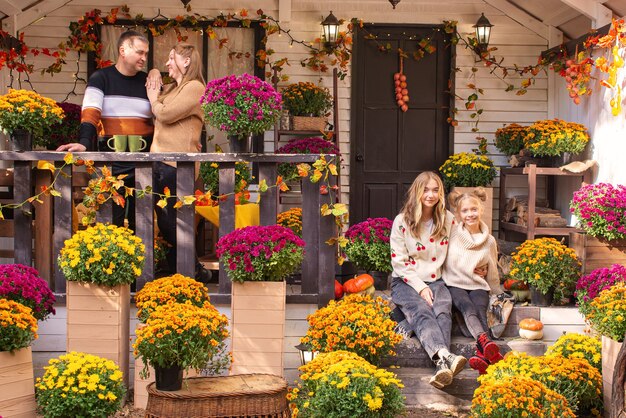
419, 244
473, 248
177, 128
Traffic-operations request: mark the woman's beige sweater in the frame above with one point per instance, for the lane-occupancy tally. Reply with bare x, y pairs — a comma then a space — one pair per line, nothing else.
468, 251
178, 119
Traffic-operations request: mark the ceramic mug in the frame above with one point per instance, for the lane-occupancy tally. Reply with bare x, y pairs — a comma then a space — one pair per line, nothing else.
136, 143
119, 143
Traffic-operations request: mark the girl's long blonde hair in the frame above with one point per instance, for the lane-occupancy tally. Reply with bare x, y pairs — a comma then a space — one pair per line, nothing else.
194, 70
412, 209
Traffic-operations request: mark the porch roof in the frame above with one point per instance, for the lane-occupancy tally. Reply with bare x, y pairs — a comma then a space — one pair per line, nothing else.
572, 17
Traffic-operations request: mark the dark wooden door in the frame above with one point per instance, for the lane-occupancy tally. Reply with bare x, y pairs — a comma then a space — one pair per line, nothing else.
389, 148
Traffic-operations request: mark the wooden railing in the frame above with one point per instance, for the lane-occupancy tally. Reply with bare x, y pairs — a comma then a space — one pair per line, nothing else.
317, 268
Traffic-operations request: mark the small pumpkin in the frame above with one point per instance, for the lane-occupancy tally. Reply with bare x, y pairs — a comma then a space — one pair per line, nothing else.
531, 329
338, 290
514, 284
358, 284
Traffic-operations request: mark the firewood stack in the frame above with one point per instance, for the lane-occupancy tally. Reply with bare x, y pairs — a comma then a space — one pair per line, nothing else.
516, 211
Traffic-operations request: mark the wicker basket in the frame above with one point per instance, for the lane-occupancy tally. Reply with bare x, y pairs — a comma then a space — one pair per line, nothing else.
308, 123
246, 395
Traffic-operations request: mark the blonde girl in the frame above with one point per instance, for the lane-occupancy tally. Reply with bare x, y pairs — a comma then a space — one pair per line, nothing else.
473, 249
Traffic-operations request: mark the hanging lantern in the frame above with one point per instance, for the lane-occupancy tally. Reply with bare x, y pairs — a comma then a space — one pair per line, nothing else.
394, 3
483, 32
331, 29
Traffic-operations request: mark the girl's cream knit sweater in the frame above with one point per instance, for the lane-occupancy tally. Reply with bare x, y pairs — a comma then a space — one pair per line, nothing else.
468, 251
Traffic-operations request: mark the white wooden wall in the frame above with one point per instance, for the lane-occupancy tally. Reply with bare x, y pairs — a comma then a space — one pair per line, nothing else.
515, 42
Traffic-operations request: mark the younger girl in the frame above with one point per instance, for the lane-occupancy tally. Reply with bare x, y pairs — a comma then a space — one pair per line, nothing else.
471, 249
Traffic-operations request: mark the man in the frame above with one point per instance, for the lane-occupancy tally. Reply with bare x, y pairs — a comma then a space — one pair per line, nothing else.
116, 103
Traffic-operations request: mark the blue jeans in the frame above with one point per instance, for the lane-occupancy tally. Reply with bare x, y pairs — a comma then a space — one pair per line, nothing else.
432, 325
473, 306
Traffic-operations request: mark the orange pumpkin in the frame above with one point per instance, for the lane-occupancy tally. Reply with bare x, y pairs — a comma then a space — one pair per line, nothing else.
513, 284
359, 283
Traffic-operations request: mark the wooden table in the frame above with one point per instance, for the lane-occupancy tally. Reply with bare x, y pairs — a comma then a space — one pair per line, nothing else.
245, 395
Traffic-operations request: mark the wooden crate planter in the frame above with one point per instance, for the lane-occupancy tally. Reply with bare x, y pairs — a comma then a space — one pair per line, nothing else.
595, 253
17, 384
610, 350
487, 216
308, 123
258, 327
98, 322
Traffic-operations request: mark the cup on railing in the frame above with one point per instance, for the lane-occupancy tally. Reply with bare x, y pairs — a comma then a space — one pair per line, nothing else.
119, 143
136, 143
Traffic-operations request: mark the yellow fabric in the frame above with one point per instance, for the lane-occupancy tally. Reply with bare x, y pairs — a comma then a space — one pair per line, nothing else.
245, 215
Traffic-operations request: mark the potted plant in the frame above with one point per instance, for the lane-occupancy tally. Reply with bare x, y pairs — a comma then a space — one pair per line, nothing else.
292, 219
606, 315
555, 137
241, 106
510, 138
80, 385
63, 132
465, 171
312, 145
18, 328
368, 247
573, 345
308, 105
22, 284
357, 323
258, 259
575, 379
99, 263
343, 384
161, 292
590, 285
548, 267
179, 336
601, 214
24, 113
526, 397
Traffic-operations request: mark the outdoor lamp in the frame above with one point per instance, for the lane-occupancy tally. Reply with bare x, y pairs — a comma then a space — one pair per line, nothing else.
306, 354
331, 28
483, 31
394, 3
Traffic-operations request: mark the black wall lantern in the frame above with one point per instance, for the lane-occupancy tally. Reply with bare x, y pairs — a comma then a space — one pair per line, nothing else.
394, 2
483, 32
330, 26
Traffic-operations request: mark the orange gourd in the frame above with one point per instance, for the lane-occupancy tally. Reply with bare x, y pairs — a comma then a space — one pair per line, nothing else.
359, 283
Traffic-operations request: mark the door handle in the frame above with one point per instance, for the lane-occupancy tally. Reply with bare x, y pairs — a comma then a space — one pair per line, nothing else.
359, 157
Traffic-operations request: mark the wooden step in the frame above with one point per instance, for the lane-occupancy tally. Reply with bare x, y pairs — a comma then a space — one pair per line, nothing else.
419, 393
409, 352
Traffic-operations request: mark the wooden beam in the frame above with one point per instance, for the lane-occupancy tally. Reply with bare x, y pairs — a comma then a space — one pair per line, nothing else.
9, 8
520, 17
560, 17
570, 47
35, 13
599, 14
